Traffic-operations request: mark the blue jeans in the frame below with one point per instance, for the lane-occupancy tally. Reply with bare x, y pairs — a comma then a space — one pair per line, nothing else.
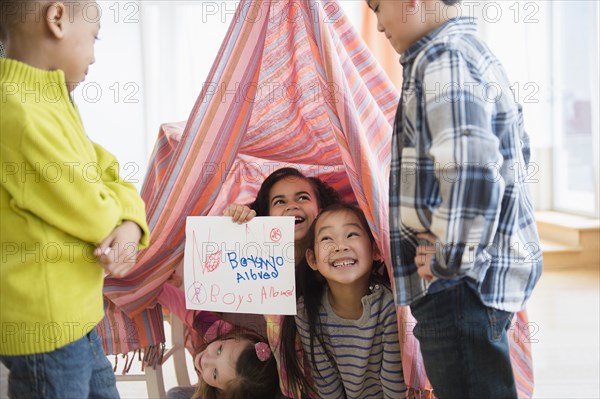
464, 345
78, 370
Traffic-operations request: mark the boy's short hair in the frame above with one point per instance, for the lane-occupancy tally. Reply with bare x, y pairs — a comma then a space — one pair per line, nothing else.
15, 12
451, 2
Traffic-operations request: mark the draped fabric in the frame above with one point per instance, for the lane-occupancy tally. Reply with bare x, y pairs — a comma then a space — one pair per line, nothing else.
292, 85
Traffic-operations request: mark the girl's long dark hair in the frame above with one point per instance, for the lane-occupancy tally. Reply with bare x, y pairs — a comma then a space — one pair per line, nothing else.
312, 285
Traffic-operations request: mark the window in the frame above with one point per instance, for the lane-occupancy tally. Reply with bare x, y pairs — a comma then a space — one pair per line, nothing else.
574, 48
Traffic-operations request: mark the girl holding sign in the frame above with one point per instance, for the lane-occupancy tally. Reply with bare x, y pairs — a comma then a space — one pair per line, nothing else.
233, 363
346, 316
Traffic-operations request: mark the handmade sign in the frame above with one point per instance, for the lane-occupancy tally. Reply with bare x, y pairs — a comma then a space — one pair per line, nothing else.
247, 268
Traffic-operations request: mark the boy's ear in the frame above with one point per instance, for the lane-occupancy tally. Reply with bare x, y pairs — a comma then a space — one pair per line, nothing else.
56, 19
311, 259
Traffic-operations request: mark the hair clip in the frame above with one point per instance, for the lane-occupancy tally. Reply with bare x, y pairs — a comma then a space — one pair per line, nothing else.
263, 352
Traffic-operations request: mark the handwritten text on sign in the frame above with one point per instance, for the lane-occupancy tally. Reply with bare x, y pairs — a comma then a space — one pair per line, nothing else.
234, 268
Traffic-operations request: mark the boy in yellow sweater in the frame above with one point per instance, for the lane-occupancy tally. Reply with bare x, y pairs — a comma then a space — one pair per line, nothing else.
67, 216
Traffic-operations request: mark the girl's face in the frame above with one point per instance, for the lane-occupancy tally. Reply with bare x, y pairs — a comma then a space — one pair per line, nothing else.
217, 363
292, 196
343, 252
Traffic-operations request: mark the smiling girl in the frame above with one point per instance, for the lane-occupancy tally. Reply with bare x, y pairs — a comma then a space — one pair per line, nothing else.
346, 316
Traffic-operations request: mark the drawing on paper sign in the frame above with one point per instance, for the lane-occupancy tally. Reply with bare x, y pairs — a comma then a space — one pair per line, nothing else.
212, 261
240, 268
197, 293
275, 234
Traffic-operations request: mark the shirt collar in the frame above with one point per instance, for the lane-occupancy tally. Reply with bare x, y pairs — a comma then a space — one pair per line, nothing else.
459, 25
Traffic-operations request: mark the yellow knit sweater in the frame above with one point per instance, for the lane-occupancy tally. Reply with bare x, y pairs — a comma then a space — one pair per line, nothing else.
60, 195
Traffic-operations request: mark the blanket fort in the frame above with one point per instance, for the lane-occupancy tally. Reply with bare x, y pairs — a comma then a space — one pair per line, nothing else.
240, 268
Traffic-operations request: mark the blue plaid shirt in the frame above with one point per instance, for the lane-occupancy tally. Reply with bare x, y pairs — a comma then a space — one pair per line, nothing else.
459, 170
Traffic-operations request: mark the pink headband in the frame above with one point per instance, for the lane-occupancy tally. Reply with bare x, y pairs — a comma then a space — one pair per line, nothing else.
263, 352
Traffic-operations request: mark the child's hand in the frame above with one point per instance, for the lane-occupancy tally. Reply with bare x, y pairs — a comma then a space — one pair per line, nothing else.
239, 213
118, 252
424, 256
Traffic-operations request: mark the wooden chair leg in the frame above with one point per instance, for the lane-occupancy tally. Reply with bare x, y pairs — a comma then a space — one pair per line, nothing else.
153, 377
155, 383
177, 341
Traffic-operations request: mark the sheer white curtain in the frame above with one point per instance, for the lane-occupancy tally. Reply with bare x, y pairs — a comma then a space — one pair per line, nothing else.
111, 99
519, 33
550, 49
180, 40
151, 61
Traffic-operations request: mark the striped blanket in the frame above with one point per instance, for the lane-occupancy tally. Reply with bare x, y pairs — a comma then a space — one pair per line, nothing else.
292, 85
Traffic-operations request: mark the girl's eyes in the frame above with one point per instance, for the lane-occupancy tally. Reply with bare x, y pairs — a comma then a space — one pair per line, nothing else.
301, 198
351, 234
219, 350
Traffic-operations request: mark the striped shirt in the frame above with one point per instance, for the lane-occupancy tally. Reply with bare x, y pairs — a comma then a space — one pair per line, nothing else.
366, 352
460, 158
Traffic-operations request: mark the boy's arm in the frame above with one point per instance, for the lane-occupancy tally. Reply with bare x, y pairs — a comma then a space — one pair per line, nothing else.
132, 206
465, 150
60, 186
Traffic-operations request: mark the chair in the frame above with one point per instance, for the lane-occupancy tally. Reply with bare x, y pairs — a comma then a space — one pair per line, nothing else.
154, 376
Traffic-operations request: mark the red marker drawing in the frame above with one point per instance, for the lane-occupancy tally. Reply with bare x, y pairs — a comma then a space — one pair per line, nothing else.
275, 234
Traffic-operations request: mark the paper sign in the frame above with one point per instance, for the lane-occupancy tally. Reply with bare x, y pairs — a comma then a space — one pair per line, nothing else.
247, 268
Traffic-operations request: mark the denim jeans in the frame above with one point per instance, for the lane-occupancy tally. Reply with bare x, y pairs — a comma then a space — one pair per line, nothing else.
78, 370
464, 345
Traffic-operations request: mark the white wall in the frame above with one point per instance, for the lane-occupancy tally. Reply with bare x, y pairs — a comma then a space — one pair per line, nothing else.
111, 100
151, 60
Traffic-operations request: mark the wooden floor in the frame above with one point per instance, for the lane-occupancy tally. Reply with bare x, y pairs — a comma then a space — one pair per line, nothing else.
564, 310
565, 307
